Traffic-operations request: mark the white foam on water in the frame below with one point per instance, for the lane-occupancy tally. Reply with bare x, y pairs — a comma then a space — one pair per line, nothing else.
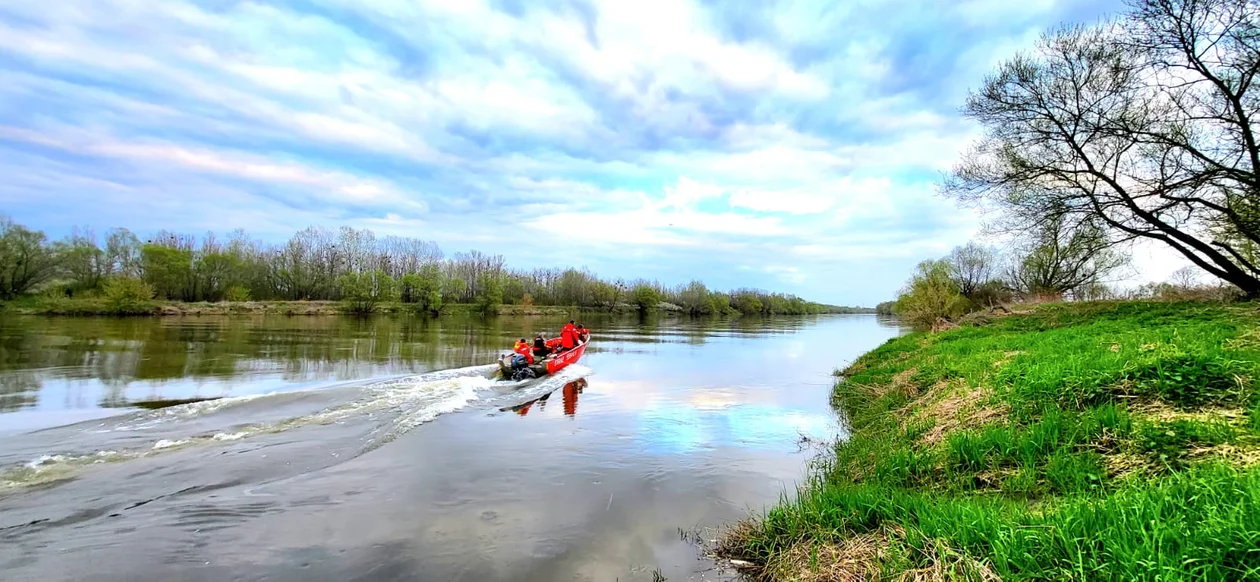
420, 399
167, 443
181, 412
407, 402
45, 460
230, 437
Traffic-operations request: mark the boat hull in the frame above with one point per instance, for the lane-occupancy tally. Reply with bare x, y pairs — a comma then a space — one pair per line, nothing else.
551, 365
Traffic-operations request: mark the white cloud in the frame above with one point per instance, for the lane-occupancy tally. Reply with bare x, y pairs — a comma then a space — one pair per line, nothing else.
230, 164
644, 126
802, 201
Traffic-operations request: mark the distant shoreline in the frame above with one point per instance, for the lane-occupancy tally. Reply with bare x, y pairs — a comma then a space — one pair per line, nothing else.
92, 307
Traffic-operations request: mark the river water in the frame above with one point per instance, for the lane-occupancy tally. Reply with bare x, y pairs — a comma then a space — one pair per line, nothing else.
344, 449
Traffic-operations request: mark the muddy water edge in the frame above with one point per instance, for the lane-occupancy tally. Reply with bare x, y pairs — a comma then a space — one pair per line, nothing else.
330, 448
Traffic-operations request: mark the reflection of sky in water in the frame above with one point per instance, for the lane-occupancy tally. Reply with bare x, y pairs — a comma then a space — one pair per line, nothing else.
681, 429
687, 384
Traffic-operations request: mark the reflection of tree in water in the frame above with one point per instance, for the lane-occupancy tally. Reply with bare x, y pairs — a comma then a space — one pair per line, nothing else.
18, 390
121, 351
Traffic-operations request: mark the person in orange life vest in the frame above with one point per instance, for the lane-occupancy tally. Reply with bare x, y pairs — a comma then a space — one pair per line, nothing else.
568, 336
583, 334
523, 348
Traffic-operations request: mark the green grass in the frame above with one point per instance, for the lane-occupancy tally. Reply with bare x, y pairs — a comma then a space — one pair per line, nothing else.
1105, 441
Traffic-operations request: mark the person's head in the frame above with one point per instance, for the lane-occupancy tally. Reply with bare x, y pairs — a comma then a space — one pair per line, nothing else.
570, 322
522, 340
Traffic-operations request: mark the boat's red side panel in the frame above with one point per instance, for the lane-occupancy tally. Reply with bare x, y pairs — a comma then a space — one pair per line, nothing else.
563, 360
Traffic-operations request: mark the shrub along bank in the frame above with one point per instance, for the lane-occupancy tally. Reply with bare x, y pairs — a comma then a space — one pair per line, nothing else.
1098, 441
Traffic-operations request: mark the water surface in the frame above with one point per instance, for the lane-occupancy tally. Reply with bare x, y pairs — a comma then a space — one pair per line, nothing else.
343, 449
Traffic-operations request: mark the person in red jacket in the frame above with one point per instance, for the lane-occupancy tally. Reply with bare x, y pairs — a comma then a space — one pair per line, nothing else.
523, 348
568, 336
583, 334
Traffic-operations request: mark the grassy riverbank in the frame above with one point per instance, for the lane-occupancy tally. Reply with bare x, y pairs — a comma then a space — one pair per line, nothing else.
1106, 441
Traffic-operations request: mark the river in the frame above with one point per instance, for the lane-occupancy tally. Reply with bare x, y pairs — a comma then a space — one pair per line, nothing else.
344, 449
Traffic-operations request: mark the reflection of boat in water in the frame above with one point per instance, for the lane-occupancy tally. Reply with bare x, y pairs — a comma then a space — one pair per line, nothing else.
570, 393
547, 366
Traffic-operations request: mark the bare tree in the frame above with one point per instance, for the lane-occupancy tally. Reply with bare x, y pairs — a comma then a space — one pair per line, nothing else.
971, 266
1062, 259
1185, 278
1144, 127
122, 253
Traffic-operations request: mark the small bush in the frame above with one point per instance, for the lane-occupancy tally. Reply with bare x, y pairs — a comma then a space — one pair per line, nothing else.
361, 292
127, 296
930, 296
236, 294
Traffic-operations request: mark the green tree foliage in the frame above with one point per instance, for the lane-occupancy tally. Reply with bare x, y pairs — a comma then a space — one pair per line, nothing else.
491, 296
26, 259
646, 298
318, 264
236, 293
362, 292
83, 262
214, 273
931, 295
454, 290
168, 270
746, 302
424, 289
127, 296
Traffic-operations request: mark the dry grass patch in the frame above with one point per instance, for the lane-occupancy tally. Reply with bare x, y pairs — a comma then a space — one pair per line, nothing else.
881, 556
1122, 465
901, 384
1238, 455
1156, 410
1006, 358
953, 405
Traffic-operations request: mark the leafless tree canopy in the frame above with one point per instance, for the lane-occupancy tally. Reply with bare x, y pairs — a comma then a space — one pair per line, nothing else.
971, 266
1143, 127
1063, 260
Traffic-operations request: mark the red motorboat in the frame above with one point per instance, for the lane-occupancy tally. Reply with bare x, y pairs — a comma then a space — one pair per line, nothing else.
550, 365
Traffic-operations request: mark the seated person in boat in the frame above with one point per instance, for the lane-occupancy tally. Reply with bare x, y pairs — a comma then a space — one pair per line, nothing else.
568, 337
540, 347
583, 334
522, 347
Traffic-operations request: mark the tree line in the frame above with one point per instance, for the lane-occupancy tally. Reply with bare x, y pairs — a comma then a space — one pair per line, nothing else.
349, 265
1139, 128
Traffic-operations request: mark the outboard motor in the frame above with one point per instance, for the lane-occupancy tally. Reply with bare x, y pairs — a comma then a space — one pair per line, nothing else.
519, 361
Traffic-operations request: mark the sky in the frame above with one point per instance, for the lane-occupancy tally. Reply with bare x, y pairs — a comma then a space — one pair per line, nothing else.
788, 146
